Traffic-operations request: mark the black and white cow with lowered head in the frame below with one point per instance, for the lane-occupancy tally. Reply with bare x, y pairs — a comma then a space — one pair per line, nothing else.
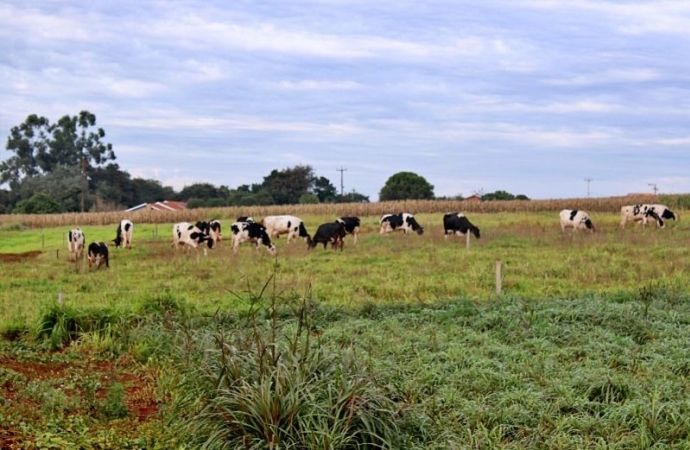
251, 232
404, 222
124, 234
458, 224
332, 232
188, 235
644, 212
577, 220
212, 228
351, 225
290, 225
98, 254
76, 239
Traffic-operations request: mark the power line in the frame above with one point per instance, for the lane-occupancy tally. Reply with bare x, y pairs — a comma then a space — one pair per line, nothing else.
341, 170
654, 188
588, 180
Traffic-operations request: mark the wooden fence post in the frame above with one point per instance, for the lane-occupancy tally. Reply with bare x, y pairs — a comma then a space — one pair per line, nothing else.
498, 276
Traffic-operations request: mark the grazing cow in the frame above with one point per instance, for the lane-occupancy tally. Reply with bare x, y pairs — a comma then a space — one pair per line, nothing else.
396, 222
185, 233
251, 232
459, 225
351, 225
212, 228
124, 234
75, 244
643, 212
290, 225
333, 232
577, 220
98, 254
245, 219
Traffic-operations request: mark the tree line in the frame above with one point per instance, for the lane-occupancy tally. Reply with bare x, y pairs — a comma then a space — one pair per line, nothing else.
67, 166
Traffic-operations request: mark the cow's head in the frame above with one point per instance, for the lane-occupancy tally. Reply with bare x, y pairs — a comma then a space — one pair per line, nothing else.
414, 225
475, 230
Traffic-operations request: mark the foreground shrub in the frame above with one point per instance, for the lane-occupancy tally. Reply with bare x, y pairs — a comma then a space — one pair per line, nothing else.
268, 385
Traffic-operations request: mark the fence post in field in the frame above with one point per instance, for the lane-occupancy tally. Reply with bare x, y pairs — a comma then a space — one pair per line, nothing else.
498, 276
57, 253
467, 240
43, 242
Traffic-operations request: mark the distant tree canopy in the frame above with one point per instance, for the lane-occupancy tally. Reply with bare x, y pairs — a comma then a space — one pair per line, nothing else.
67, 166
502, 195
406, 186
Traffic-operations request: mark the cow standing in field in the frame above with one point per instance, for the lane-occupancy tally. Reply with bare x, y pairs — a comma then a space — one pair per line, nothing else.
290, 225
124, 234
458, 224
76, 240
351, 225
643, 212
98, 254
212, 228
251, 232
577, 220
399, 222
245, 219
332, 232
188, 235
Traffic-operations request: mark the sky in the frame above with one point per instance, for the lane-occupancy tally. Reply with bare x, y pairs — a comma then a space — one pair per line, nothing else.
545, 98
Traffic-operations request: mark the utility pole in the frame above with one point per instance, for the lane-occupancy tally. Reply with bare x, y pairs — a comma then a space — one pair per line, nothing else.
341, 170
588, 180
654, 188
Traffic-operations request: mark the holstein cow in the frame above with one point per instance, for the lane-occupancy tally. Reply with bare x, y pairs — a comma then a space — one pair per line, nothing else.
75, 243
251, 232
332, 232
396, 222
351, 225
245, 219
184, 233
458, 224
290, 225
98, 254
124, 234
212, 228
577, 220
643, 212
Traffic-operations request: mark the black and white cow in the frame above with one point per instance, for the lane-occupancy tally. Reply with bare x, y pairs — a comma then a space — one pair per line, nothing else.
397, 222
577, 220
245, 219
643, 212
251, 232
212, 228
98, 254
188, 235
351, 225
332, 232
76, 240
124, 234
290, 225
458, 224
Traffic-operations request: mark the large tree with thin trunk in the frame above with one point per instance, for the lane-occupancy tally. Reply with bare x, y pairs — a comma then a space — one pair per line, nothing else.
406, 186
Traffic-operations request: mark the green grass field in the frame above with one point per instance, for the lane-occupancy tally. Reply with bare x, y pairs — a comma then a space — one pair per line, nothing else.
585, 347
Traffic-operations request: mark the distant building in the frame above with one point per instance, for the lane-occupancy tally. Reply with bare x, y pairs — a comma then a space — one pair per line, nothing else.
165, 205
473, 198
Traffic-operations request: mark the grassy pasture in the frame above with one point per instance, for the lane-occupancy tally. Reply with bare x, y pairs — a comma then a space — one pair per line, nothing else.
585, 348
538, 262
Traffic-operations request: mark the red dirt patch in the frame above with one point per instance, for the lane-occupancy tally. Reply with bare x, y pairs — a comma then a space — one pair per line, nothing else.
19, 257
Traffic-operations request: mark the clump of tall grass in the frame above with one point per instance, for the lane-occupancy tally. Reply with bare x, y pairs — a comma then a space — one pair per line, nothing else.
271, 384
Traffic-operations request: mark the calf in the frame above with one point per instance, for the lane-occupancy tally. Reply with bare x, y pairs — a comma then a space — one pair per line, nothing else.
643, 212
124, 234
351, 225
189, 235
75, 243
333, 232
290, 225
577, 220
98, 254
251, 232
396, 222
458, 224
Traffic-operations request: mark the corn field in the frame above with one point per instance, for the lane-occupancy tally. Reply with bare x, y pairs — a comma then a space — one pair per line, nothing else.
605, 205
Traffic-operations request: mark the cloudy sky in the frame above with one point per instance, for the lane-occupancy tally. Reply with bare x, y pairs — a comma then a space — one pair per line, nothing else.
528, 96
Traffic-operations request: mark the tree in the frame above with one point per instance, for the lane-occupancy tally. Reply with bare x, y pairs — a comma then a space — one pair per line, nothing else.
41, 147
353, 197
406, 186
63, 184
39, 203
502, 195
324, 190
288, 185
